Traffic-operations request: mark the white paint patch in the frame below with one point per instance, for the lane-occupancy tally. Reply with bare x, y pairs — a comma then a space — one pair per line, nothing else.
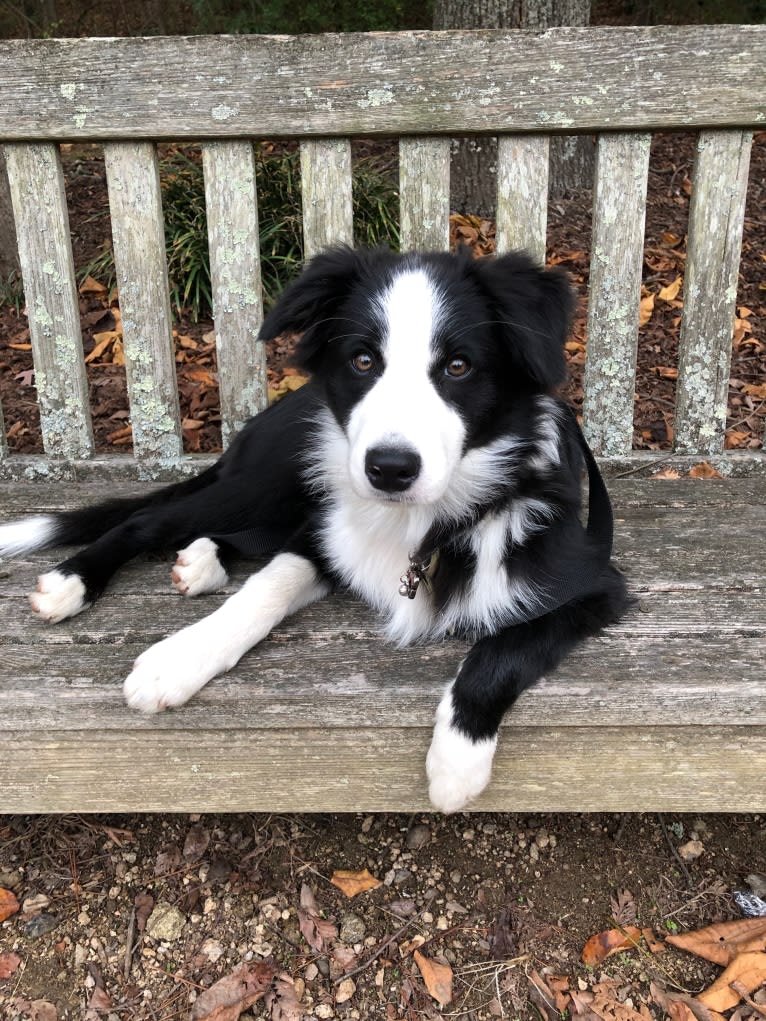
170, 672
458, 768
26, 534
403, 409
198, 569
58, 596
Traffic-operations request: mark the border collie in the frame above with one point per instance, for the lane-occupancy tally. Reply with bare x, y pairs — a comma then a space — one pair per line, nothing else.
427, 467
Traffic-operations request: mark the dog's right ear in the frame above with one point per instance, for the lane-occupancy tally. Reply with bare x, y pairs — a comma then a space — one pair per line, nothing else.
308, 306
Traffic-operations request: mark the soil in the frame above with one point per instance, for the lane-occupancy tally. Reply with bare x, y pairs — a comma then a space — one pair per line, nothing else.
134, 917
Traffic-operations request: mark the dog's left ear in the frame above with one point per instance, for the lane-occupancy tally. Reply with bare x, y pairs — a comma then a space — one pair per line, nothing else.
534, 307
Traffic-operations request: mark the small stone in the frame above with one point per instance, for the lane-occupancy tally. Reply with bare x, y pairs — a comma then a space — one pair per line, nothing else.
345, 991
166, 922
691, 850
39, 925
534, 854
212, 949
352, 928
418, 836
220, 870
311, 972
402, 876
367, 824
404, 908
37, 902
324, 1010
80, 955
542, 839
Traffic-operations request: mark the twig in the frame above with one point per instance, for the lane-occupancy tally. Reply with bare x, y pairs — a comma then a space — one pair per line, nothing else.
682, 864
129, 946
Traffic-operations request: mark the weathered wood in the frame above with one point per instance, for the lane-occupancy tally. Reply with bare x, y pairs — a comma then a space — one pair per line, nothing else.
384, 83
142, 278
42, 226
424, 193
235, 271
619, 207
716, 218
522, 194
328, 215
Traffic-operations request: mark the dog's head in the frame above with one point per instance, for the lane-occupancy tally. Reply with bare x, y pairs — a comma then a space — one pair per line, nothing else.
423, 356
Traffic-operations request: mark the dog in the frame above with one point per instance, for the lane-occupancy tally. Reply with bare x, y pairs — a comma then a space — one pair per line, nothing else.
427, 466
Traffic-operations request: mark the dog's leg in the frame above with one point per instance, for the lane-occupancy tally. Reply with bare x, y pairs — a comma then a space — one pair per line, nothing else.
491, 678
198, 569
173, 670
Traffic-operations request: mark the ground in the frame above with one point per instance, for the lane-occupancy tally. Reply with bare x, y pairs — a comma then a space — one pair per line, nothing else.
504, 900
134, 917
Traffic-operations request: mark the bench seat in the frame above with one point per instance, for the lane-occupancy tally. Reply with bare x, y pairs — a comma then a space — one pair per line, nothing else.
665, 712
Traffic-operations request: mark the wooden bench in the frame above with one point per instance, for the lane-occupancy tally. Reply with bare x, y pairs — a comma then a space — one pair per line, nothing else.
665, 712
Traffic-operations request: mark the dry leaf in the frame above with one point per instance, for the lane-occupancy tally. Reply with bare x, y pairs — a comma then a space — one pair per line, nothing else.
8, 964
282, 1001
437, 977
665, 371
703, 470
8, 904
722, 942
92, 288
226, 999
317, 931
103, 341
667, 473
603, 944
748, 970
670, 293
352, 883
623, 907
656, 946
755, 390
646, 308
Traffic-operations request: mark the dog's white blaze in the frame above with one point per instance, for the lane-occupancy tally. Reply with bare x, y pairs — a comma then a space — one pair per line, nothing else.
170, 672
458, 768
403, 408
26, 534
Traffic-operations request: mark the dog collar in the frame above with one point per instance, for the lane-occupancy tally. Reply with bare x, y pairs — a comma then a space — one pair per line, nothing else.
418, 570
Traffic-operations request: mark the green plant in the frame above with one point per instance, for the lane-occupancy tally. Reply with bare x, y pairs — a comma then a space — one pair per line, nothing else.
12, 292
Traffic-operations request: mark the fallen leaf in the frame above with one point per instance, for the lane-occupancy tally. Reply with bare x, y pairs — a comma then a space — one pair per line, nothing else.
99, 1002
645, 309
282, 1000
667, 473
720, 943
352, 883
437, 977
20, 347
226, 999
103, 342
8, 904
317, 931
602, 944
144, 905
670, 293
656, 946
752, 389
623, 907
42, 1010
665, 371
703, 470
748, 970
92, 288
8, 964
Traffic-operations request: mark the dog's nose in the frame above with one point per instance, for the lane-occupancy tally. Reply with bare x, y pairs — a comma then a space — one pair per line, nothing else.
392, 469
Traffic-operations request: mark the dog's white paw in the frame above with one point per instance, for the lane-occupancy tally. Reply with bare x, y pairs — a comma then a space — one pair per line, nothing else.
198, 569
170, 672
458, 768
58, 596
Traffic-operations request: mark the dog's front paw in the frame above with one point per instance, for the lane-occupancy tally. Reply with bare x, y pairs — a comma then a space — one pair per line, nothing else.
458, 767
198, 569
58, 596
168, 674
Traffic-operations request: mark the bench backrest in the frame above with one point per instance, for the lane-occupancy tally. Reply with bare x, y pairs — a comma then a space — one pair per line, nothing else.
423, 88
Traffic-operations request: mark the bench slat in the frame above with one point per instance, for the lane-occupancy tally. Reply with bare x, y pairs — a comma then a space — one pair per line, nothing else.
235, 270
619, 208
142, 277
716, 218
42, 227
328, 216
384, 83
522, 194
424, 193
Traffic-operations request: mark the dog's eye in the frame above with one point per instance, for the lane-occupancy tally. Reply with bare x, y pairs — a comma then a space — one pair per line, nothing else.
457, 368
363, 362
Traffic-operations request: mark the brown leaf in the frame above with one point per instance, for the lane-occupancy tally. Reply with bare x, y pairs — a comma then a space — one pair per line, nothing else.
8, 904
103, 342
665, 371
437, 977
317, 931
670, 293
623, 907
282, 1001
603, 944
226, 999
646, 308
720, 943
197, 840
144, 905
703, 470
42, 1010
667, 473
8, 964
352, 883
92, 288
667, 1000
747, 970
99, 1001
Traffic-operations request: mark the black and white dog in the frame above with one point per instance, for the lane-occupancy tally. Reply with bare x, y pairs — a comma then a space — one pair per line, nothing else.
427, 458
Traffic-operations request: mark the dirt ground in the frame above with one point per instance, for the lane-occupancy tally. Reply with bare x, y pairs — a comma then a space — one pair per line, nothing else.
502, 900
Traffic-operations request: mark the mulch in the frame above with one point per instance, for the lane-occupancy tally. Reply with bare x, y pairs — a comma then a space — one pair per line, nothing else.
569, 232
